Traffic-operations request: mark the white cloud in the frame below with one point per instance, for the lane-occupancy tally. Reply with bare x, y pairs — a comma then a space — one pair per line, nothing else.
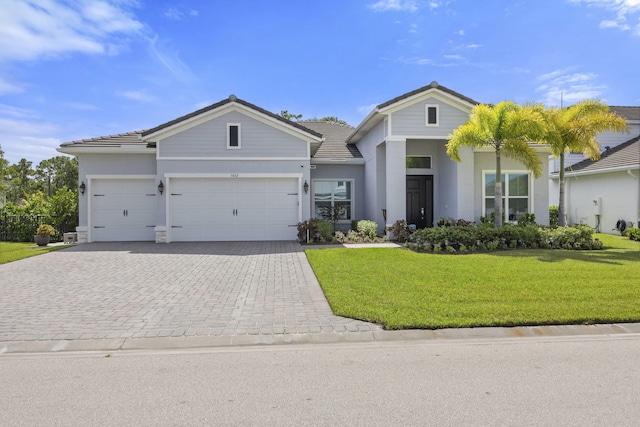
26, 136
565, 87
622, 9
395, 5
137, 95
82, 106
173, 13
458, 57
171, 60
194, 12
8, 87
45, 28
460, 32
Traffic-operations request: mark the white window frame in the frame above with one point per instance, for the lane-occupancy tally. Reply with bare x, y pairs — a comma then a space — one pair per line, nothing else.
505, 190
351, 200
426, 115
229, 146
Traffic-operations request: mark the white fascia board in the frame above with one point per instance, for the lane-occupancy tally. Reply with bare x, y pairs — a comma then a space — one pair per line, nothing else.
358, 161
364, 125
447, 98
556, 175
127, 149
224, 109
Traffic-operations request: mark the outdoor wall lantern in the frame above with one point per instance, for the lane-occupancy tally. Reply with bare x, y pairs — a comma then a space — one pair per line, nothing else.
82, 188
306, 187
161, 187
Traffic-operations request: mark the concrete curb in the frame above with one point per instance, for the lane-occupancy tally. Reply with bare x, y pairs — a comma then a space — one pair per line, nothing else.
380, 336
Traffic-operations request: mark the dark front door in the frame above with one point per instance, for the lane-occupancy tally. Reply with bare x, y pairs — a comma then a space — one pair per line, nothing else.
420, 201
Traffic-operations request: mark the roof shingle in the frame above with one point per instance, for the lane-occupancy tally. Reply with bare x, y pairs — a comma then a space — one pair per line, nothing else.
624, 155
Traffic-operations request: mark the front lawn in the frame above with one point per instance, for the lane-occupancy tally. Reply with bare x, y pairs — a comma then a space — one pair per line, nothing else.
401, 289
11, 251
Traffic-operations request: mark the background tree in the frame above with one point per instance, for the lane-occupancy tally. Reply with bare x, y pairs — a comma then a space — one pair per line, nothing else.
289, 116
507, 128
20, 180
55, 173
330, 119
574, 130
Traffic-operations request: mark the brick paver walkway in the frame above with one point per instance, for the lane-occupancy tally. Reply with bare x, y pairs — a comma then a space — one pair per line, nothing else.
135, 290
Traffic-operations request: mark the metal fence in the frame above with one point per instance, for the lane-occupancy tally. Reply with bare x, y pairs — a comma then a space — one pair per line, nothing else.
22, 228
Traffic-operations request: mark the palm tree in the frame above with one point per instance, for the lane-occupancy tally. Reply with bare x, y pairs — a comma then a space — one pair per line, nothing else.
574, 130
508, 128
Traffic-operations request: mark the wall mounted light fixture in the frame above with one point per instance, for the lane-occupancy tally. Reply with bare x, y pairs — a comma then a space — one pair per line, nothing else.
161, 187
305, 187
82, 188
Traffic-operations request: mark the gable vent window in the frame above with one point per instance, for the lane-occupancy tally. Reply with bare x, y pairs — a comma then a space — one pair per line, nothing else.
233, 135
432, 115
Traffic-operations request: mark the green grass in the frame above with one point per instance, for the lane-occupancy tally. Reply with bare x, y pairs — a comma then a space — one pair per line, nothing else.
10, 251
401, 289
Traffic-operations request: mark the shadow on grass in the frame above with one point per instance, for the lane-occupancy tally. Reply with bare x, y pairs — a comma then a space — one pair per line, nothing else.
604, 256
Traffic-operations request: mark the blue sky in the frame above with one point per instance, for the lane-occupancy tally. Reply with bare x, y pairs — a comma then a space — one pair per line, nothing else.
83, 68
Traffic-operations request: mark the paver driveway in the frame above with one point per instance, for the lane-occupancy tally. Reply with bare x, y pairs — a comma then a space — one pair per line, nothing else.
134, 290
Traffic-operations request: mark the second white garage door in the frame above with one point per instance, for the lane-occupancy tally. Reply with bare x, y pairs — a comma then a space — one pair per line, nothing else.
219, 209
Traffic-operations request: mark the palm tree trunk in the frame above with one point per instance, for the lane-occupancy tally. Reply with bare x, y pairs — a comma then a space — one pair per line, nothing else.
561, 209
497, 201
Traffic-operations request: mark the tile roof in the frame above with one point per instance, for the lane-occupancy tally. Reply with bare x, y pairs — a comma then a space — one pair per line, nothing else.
432, 85
629, 113
232, 98
334, 146
624, 155
109, 140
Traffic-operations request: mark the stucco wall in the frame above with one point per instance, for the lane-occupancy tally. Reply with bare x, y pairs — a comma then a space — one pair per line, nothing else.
540, 200
110, 164
619, 193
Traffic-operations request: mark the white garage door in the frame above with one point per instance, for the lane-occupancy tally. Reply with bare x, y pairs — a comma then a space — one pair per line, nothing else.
123, 210
219, 209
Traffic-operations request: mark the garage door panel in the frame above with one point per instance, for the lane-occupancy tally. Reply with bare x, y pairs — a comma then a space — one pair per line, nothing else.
123, 210
210, 209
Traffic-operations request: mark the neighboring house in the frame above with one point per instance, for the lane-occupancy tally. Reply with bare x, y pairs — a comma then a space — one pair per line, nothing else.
234, 171
600, 193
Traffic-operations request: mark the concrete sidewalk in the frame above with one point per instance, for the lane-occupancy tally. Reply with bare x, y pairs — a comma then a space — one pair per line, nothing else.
632, 330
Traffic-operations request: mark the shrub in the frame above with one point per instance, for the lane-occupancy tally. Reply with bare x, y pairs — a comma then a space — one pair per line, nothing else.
45, 230
527, 219
340, 237
309, 229
401, 231
634, 233
324, 227
368, 228
553, 216
353, 236
445, 222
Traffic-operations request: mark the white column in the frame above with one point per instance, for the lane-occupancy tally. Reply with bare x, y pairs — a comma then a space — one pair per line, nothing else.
396, 180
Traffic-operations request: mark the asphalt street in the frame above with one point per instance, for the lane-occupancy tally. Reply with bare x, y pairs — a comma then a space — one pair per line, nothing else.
559, 381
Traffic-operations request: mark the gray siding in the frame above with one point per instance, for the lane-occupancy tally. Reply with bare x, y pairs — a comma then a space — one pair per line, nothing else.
411, 121
209, 139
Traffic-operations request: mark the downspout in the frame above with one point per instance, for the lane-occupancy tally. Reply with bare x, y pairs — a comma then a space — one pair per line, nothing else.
637, 197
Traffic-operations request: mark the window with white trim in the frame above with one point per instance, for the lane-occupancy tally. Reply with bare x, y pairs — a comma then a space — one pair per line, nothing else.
418, 162
329, 194
233, 136
432, 115
516, 194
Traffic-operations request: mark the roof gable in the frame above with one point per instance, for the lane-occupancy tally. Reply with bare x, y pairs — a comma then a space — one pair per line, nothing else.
443, 93
199, 116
